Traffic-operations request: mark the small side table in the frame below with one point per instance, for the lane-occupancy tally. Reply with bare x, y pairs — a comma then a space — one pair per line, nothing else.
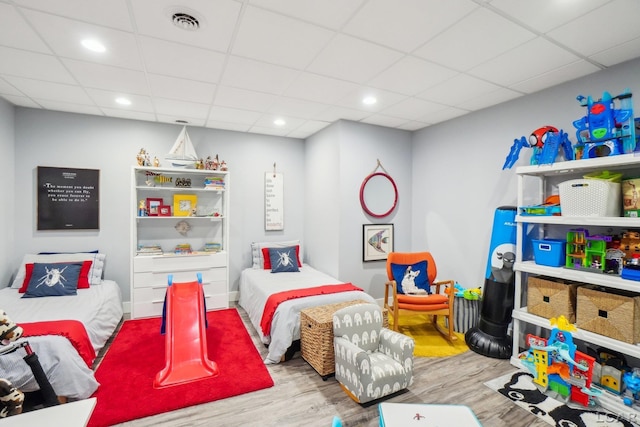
72, 414
316, 335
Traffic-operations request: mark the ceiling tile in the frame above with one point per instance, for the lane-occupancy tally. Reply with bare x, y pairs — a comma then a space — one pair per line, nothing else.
217, 19
267, 121
32, 65
524, 62
554, 77
21, 101
128, 114
327, 13
112, 13
296, 108
192, 121
406, 24
496, 97
412, 109
411, 75
107, 99
228, 126
176, 60
382, 120
7, 89
333, 114
181, 89
384, 99
243, 99
575, 36
478, 37
308, 128
256, 75
544, 15
64, 37
68, 107
108, 78
619, 53
319, 88
50, 90
338, 59
444, 115
413, 125
460, 88
278, 39
15, 32
171, 107
233, 115
268, 131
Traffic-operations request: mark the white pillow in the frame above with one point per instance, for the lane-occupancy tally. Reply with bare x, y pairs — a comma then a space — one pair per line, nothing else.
95, 273
257, 257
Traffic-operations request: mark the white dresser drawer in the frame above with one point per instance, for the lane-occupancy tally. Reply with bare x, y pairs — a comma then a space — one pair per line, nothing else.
149, 301
153, 278
174, 263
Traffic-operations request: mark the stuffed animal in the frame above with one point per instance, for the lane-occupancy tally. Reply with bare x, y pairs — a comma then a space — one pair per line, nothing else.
11, 399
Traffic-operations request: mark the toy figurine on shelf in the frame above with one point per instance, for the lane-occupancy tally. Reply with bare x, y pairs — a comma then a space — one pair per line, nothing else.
546, 143
142, 210
140, 157
200, 164
223, 166
208, 163
156, 162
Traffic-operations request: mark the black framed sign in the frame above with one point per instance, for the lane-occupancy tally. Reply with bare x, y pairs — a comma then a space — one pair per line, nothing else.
68, 199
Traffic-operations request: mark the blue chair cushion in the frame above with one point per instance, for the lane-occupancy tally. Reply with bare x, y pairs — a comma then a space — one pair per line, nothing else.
411, 278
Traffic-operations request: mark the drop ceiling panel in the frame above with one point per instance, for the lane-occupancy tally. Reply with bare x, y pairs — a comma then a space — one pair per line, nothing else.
406, 24
332, 14
217, 20
278, 39
112, 13
64, 37
313, 62
187, 62
477, 38
16, 32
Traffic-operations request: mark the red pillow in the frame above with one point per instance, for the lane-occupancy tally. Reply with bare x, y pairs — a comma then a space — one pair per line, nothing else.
83, 279
267, 258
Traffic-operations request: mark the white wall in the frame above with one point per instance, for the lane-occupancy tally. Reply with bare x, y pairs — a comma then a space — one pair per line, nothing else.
457, 168
7, 167
338, 159
45, 138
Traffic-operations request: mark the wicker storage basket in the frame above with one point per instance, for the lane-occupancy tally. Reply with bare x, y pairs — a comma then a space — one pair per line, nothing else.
316, 335
551, 298
590, 197
615, 315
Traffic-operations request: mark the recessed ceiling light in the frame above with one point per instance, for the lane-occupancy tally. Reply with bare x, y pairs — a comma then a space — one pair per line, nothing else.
369, 100
123, 101
279, 122
93, 45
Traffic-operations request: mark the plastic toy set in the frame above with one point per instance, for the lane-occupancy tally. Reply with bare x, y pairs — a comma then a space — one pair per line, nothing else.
607, 129
609, 254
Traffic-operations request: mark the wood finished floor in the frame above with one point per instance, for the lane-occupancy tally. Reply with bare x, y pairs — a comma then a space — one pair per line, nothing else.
301, 398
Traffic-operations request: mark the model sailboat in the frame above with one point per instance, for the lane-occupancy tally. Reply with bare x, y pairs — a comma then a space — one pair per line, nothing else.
182, 154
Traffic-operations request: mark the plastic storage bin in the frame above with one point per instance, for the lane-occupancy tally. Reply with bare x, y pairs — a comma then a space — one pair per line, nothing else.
550, 252
590, 197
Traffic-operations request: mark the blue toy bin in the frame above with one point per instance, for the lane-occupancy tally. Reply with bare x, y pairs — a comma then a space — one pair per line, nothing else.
549, 252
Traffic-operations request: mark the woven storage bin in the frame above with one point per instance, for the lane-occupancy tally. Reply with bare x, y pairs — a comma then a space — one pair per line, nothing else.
316, 335
550, 298
615, 315
590, 197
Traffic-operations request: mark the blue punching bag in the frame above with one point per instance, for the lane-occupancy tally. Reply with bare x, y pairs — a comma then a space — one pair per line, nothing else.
490, 337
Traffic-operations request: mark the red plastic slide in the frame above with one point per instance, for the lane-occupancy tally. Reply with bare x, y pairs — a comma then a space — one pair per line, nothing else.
186, 338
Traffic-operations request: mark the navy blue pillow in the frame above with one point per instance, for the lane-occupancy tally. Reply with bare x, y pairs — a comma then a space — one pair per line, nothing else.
283, 260
411, 279
53, 279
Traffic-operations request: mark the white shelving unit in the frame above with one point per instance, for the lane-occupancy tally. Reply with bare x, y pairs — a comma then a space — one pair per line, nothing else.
542, 179
149, 273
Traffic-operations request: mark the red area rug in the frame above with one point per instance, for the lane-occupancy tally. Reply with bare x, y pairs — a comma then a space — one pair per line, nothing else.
136, 355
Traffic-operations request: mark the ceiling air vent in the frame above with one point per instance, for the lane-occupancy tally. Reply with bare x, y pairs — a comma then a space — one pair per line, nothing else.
185, 21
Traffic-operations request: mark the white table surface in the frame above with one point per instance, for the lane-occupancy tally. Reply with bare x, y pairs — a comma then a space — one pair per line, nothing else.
72, 414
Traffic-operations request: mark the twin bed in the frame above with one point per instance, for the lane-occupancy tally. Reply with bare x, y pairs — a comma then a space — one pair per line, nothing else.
98, 306
259, 283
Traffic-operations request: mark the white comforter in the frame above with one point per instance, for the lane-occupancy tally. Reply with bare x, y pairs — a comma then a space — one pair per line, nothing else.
99, 308
257, 285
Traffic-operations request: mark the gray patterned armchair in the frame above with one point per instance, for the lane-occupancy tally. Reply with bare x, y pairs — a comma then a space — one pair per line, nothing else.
371, 361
